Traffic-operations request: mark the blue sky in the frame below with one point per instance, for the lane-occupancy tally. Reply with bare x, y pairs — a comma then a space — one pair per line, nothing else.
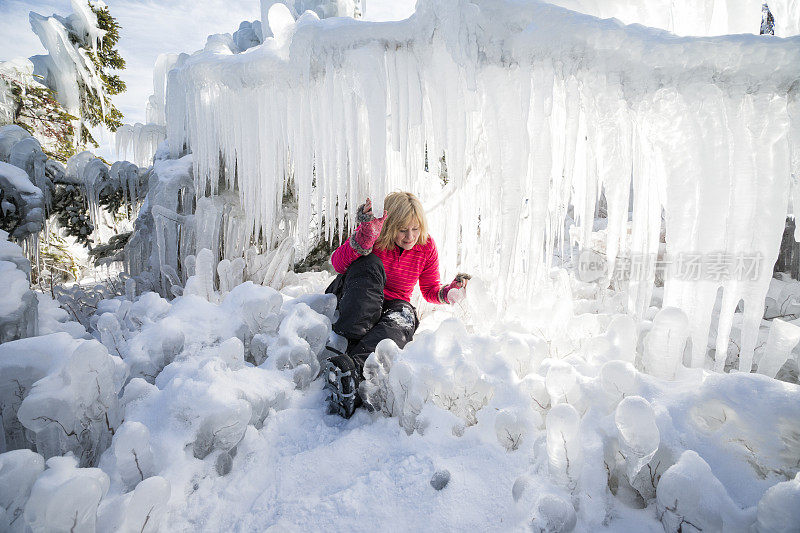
150, 28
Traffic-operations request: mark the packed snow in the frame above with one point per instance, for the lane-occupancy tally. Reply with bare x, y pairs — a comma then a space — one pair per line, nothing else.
184, 394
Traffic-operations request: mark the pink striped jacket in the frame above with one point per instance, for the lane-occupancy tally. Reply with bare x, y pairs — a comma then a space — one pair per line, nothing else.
403, 269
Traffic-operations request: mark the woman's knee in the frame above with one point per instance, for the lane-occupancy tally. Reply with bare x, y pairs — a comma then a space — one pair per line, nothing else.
368, 265
361, 297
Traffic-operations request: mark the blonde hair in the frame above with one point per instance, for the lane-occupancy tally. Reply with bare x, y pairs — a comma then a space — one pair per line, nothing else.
402, 210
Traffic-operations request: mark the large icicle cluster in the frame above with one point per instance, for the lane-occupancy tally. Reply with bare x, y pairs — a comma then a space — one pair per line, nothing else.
139, 142
538, 111
218, 223
176, 237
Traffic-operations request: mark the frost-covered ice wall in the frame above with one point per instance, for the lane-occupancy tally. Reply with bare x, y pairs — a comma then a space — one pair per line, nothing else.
536, 109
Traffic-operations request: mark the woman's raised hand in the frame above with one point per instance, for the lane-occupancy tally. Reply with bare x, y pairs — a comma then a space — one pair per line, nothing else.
368, 230
365, 214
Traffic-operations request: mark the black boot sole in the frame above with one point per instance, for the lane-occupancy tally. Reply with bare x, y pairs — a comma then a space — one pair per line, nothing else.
341, 387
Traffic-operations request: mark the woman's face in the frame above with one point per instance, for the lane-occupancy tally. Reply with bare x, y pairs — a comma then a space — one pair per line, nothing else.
407, 235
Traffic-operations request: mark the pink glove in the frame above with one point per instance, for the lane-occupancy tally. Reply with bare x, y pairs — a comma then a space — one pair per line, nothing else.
368, 230
460, 282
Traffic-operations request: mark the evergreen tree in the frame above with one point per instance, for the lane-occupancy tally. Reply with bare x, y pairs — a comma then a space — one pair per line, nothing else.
97, 109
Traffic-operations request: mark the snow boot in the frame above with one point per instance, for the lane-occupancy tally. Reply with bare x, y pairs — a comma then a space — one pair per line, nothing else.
341, 381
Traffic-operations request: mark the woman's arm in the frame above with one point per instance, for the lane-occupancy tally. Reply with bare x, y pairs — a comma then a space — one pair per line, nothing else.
343, 256
429, 283
361, 241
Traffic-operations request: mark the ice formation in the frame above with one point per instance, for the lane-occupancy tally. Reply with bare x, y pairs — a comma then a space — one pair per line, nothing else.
783, 337
689, 495
665, 343
618, 379
441, 367
99, 181
18, 471
564, 450
562, 382
139, 142
25, 183
63, 391
779, 509
300, 344
143, 510
638, 433
554, 514
156, 113
177, 237
21, 199
65, 498
18, 306
535, 116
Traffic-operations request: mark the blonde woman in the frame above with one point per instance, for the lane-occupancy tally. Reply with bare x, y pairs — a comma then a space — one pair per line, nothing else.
378, 267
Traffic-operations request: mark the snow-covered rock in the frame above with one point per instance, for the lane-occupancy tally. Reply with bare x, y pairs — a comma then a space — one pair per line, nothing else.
18, 472
60, 394
690, 497
65, 497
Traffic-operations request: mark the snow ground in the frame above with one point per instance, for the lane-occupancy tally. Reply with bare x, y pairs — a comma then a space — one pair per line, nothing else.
206, 441
305, 469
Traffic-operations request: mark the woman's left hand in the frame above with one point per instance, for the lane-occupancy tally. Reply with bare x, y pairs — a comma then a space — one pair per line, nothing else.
459, 282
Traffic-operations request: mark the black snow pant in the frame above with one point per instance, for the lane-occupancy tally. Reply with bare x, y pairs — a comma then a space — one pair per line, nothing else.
365, 318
